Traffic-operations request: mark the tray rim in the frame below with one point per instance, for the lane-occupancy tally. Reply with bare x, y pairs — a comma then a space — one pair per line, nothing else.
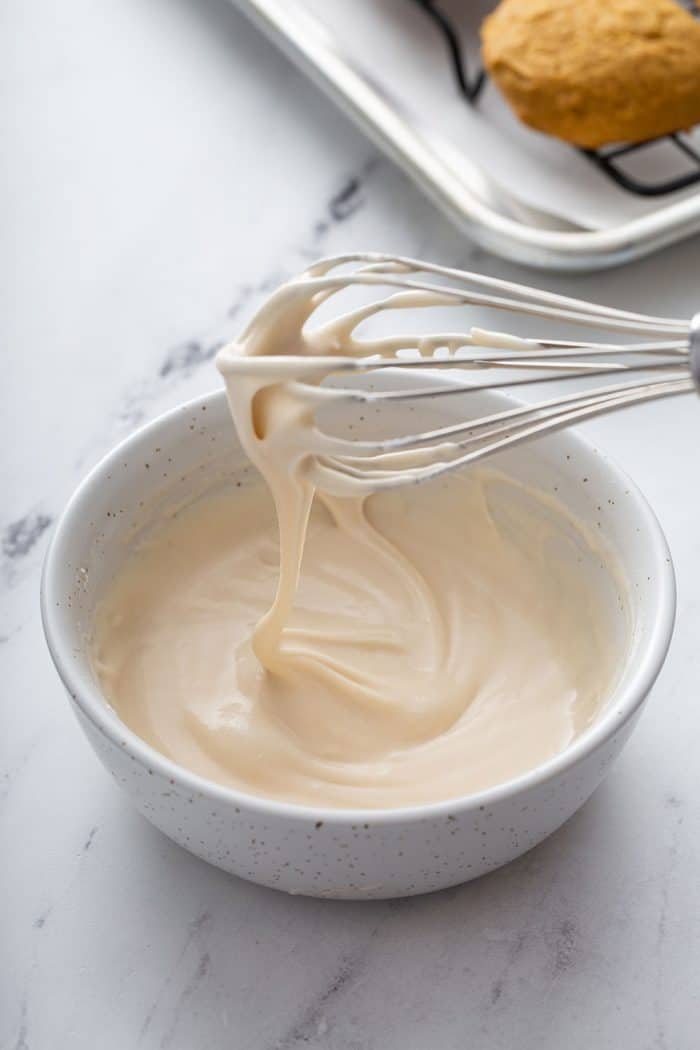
310, 45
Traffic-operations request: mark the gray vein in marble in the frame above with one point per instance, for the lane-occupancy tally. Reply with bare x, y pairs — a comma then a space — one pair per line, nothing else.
185, 358
19, 538
248, 292
312, 1022
344, 203
515, 950
41, 920
563, 942
89, 840
347, 200
22, 1042
201, 971
43, 917
9, 776
196, 931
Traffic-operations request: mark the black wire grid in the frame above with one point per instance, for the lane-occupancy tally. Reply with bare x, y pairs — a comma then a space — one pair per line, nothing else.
471, 83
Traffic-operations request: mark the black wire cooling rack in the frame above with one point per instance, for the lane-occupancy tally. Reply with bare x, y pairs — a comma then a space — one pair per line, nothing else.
471, 83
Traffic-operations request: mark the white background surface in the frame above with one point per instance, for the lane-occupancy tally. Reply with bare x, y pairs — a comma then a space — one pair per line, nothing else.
162, 167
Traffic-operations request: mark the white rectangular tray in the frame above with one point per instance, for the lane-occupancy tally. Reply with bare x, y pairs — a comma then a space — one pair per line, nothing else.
457, 184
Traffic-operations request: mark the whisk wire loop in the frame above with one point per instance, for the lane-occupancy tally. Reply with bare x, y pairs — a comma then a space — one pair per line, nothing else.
664, 357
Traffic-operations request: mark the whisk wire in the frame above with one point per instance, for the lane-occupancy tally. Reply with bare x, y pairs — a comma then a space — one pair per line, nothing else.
665, 357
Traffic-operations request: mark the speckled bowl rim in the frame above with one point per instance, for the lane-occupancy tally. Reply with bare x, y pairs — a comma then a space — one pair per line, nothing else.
621, 706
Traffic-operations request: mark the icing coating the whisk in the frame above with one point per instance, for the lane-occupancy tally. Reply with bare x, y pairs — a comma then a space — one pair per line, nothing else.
379, 645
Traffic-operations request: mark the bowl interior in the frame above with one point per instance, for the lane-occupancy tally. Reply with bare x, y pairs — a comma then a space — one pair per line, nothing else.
194, 449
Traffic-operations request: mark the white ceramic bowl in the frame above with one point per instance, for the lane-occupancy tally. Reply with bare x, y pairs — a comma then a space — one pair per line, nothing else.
344, 853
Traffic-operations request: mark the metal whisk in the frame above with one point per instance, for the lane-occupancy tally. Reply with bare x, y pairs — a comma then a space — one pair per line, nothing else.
664, 359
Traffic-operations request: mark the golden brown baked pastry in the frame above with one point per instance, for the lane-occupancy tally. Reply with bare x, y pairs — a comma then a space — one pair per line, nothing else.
596, 71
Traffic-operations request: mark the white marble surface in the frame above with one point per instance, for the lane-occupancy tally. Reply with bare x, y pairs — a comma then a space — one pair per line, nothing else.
162, 167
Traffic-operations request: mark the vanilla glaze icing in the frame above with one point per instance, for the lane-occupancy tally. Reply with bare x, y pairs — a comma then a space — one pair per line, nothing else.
439, 639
